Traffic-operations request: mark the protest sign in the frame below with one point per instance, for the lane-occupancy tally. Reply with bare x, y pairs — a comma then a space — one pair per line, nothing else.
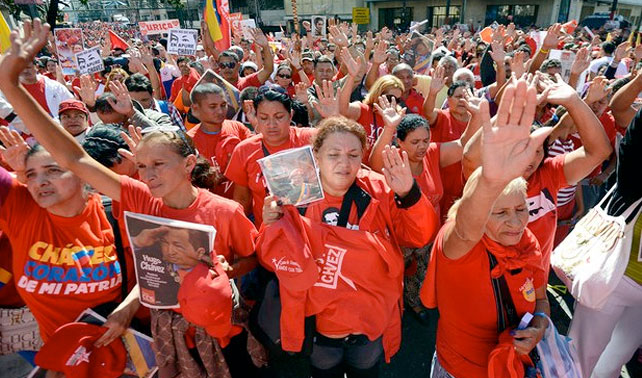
182, 41
231, 92
68, 43
89, 61
158, 27
292, 176
165, 250
235, 21
246, 25
318, 26
567, 58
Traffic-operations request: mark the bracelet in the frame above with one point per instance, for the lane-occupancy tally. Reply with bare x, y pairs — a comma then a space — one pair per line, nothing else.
544, 51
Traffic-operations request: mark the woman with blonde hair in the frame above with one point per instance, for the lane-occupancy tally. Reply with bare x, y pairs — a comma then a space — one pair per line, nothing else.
116, 74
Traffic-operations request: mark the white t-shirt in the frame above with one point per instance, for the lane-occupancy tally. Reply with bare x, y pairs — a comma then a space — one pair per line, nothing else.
595, 65
168, 71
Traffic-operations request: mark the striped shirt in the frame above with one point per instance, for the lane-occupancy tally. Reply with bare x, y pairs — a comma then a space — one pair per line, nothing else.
561, 147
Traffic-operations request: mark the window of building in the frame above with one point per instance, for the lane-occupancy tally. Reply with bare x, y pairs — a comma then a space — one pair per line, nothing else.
395, 18
272, 4
521, 15
437, 15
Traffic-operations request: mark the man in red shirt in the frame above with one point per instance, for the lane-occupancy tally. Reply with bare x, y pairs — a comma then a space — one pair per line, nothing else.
215, 137
414, 100
228, 65
188, 76
48, 93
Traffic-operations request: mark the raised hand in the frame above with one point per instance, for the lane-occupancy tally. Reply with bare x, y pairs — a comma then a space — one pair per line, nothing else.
621, 51
518, 64
294, 57
597, 90
559, 93
339, 37
553, 35
396, 170
497, 52
23, 50
132, 139
390, 112
15, 148
301, 92
581, 62
328, 104
123, 103
380, 53
87, 90
369, 41
438, 80
352, 65
507, 147
638, 52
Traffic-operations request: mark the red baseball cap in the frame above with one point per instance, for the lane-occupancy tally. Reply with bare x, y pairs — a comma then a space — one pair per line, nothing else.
205, 297
285, 249
71, 350
73, 104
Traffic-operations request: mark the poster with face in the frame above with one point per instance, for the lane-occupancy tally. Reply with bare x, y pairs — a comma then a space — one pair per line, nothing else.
89, 61
292, 176
165, 251
182, 42
69, 42
318, 26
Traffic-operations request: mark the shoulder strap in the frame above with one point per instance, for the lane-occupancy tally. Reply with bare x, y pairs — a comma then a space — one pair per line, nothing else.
506, 312
118, 242
359, 197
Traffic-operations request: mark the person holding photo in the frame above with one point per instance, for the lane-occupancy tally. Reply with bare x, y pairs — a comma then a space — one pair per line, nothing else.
171, 174
363, 220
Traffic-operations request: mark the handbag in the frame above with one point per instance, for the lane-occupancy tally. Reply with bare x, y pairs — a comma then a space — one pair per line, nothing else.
592, 259
18, 331
558, 357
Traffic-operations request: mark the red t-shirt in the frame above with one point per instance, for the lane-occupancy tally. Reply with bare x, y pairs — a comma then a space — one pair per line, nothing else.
244, 170
37, 91
296, 78
414, 102
372, 124
184, 82
235, 234
62, 265
248, 81
543, 186
429, 180
446, 128
217, 148
462, 290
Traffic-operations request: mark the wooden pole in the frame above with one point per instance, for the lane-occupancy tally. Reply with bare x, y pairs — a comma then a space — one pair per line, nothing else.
295, 17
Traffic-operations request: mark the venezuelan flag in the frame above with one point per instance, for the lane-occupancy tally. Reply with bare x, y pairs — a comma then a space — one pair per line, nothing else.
211, 18
5, 277
82, 258
217, 19
5, 42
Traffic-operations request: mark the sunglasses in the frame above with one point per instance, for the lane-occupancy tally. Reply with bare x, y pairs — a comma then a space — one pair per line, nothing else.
227, 65
390, 97
284, 76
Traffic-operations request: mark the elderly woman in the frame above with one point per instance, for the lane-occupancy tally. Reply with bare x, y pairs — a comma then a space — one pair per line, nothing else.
348, 249
485, 255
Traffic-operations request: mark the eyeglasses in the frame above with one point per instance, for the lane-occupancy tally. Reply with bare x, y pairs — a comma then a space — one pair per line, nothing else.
227, 65
390, 97
284, 76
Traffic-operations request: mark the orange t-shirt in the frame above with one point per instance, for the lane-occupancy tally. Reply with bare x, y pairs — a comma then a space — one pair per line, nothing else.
543, 186
55, 286
235, 234
218, 148
462, 291
244, 170
429, 180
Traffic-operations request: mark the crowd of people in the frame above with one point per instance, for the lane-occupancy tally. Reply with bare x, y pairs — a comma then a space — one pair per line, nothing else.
452, 163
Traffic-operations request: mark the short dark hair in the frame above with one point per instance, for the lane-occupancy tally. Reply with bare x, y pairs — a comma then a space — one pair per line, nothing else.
248, 93
608, 47
272, 95
183, 59
229, 54
300, 114
102, 105
139, 83
459, 83
102, 143
323, 59
410, 123
202, 90
198, 67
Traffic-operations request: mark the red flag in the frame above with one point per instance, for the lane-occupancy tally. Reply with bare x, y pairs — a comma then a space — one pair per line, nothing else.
117, 42
223, 11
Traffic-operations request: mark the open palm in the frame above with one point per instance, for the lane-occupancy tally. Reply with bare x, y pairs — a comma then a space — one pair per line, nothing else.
23, 49
508, 147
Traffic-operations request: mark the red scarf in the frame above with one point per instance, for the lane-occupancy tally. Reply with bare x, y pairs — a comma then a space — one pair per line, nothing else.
524, 255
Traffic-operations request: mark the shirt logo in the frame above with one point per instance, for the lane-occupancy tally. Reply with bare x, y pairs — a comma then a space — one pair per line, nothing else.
540, 205
330, 263
80, 356
286, 265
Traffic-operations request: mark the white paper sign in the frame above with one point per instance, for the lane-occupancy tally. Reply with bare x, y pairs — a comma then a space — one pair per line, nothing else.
90, 61
182, 41
246, 25
567, 58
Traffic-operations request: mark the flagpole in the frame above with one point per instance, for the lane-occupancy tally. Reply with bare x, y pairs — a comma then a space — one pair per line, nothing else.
295, 17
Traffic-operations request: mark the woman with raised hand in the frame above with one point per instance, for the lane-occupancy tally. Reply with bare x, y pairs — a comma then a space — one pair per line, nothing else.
172, 177
486, 241
426, 159
347, 248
